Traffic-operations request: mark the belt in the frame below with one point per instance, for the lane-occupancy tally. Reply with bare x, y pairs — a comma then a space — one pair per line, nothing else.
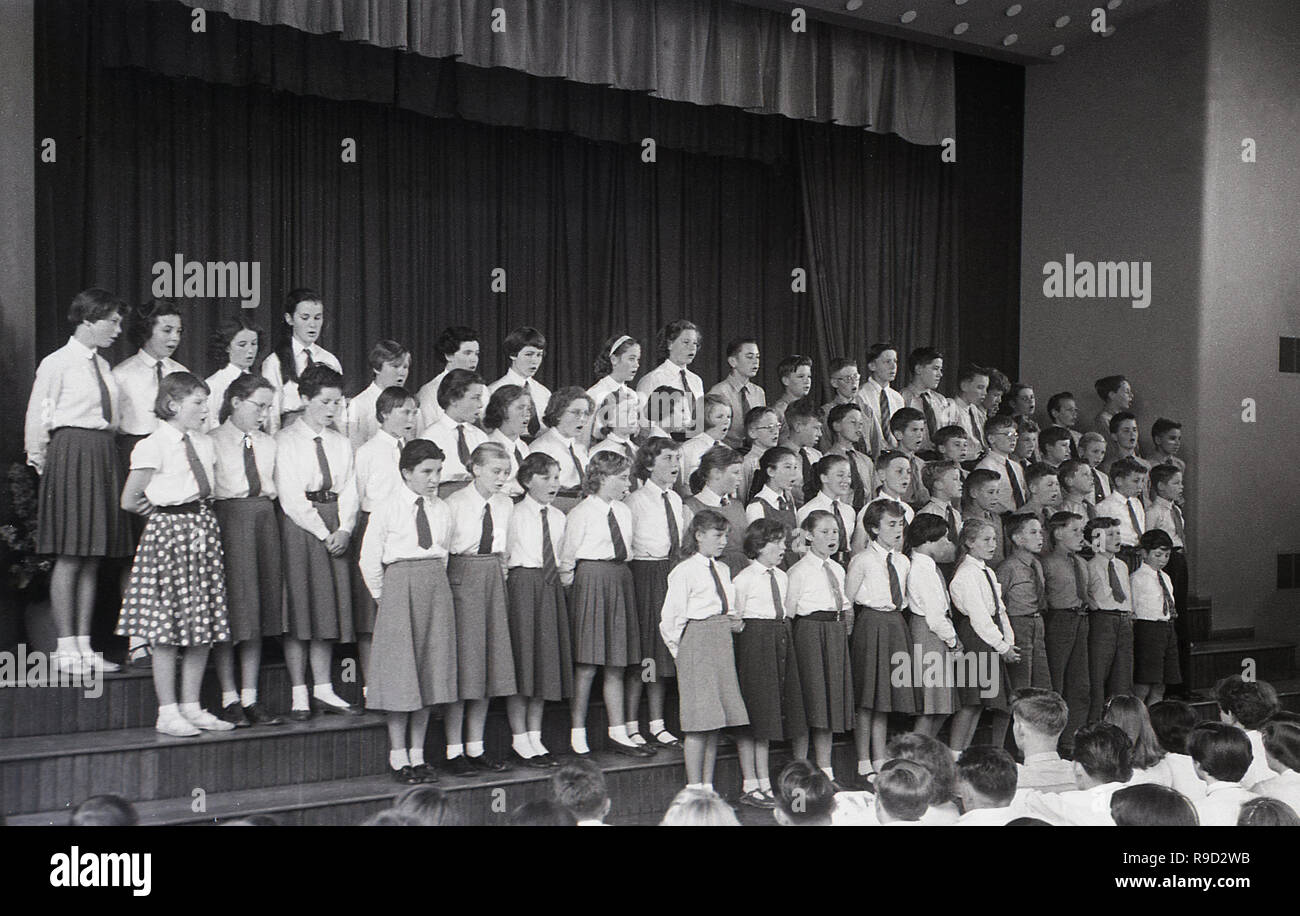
822, 615
322, 496
882, 610
183, 509
1023, 616
1110, 610
1079, 609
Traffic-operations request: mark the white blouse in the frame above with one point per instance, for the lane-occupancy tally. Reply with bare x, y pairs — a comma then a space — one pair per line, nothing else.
754, 591
378, 470
287, 398
391, 535
445, 433
867, 580
810, 590
297, 473
980, 599
555, 445
232, 480
693, 595
587, 535
137, 379
163, 451
927, 595
524, 538
466, 507
650, 540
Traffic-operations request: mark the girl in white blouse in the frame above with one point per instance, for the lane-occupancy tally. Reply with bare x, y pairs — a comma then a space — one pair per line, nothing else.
234, 346
176, 595
929, 618
506, 419
568, 416
616, 365
304, 314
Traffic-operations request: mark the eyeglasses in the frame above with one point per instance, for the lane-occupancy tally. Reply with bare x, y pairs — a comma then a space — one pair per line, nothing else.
855, 377
765, 428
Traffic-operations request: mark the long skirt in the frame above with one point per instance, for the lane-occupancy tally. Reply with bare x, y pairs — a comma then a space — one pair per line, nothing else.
603, 611
880, 644
414, 652
539, 635
985, 681
318, 586
768, 670
650, 583
250, 543
79, 513
707, 687
176, 593
484, 657
822, 647
936, 692
363, 604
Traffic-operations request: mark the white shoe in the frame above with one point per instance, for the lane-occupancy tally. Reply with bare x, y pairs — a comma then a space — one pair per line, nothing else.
68, 663
175, 725
208, 722
95, 660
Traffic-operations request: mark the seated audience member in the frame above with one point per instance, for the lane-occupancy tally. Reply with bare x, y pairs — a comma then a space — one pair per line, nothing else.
1248, 705
1282, 752
1221, 753
579, 785
804, 796
542, 812
1038, 718
105, 811
1102, 766
254, 820
1149, 764
1151, 805
426, 803
391, 817
986, 785
1027, 822
1173, 721
698, 807
856, 809
903, 791
1267, 812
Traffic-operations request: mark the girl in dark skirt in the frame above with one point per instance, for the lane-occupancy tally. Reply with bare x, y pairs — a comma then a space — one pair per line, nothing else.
403, 561
766, 664
929, 617
593, 558
714, 484
250, 541
875, 584
778, 475
698, 620
69, 441
176, 595
985, 631
537, 612
480, 520
658, 521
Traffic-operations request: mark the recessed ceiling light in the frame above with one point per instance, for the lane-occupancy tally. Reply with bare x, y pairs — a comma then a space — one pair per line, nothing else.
1058, 50
853, 6
908, 16
1010, 39
960, 28
1013, 9
1062, 22
1114, 4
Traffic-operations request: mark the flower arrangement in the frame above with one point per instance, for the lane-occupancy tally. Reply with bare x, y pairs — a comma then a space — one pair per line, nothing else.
28, 570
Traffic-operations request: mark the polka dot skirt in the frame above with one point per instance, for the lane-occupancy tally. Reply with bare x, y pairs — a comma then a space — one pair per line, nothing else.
176, 595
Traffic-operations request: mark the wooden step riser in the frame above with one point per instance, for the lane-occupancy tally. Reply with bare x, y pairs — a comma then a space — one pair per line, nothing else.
1273, 664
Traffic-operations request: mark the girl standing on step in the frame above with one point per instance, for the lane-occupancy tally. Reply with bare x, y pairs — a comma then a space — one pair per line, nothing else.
176, 594
714, 484
298, 351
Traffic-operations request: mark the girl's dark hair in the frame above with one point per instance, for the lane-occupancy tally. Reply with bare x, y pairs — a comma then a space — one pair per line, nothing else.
715, 459
499, 405
418, 450
760, 533
144, 317
648, 454
542, 812
450, 340
704, 520
454, 385
925, 528
390, 399
603, 364
669, 333
315, 379
1173, 721
176, 386
1151, 805
824, 465
535, 464
95, 304
219, 342
243, 387
284, 349
769, 460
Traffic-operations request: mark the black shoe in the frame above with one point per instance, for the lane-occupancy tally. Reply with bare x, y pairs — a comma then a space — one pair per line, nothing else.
629, 750
549, 759
426, 772
757, 799
459, 766
858, 783
485, 764
406, 776
646, 745
234, 714
329, 709
300, 715
257, 715
536, 763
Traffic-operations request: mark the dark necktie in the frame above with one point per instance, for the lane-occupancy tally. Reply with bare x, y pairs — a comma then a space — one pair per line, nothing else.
895, 588
842, 545
777, 604
157, 371
1090, 510
993, 590
835, 586
485, 538
717, 586
884, 413
952, 524
1016, 493
326, 481
1116, 587
1169, 611
931, 421
196, 466
744, 405
1178, 524
548, 552
616, 535
519, 459
1080, 585
423, 535
250, 468
809, 481
311, 361
1133, 517
105, 399
690, 398
855, 478
783, 503
1041, 594
462, 447
577, 465
975, 427
533, 423
674, 536
1098, 491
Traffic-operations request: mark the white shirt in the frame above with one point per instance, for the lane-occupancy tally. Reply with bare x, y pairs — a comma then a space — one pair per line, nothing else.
360, 420
870, 392
445, 433
858, 809
1098, 478
1222, 804
826, 504
987, 817
754, 591
524, 537
137, 380
974, 595
287, 398
1145, 595
1259, 768
1077, 807
540, 394
297, 473
969, 417
1160, 514
518, 450
1101, 595
693, 595
754, 511
466, 506
391, 535
940, 407
867, 580
1184, 776
218, 382
927, 595
377, 471
1284, 786
1046, 772
754, 395
1116, 506
618, 445
66, 394
628, 410
1160, 773
999, 464
228, 445
810, 590
163, 451
669, 375
587, 535
552, 443
650, 537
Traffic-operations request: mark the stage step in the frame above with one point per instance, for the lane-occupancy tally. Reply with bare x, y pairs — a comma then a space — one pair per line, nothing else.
1214, 659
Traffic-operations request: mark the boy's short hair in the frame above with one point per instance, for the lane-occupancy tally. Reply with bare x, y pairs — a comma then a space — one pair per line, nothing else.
1267, 811
1017, 523
384, 352
794, 361
1036, 472
1107, 386
105, 811
1152, 805
1058, 521
535, 464
1126, 467
1069, 467
900, 418
1104, 752
519, 338
1089, 438
1250, 702
579, 785
922, 356
903, 789
1041, 710
487, 451
542, 812
1053, 435
760, 533
981, 477
970, 372
934, 469
1002, 423
1122, 417
390, 399
1099, 523
1222, 750
945, 434
990, 771
455, 384
837, 413
931, 754
998, 380
876, 349
1173, 721
802, 412
316, 378
838, 363
1155, 539
1163, 426
876, 511
1282, 741
1160, 475
1055, 401
734, 345
804, 793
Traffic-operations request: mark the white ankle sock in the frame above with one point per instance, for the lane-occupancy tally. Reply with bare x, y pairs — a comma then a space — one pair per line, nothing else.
67, 645
248, 696
83, 645
398, 758
748, 785
535, 739
189, 710
865, 767
300, 697
228, 697
364, 688
656, 726
168, 711
830, 773
523, 747
417, 756
473, 748
765, 785
619, 733
578, 740
454, 751
325, 693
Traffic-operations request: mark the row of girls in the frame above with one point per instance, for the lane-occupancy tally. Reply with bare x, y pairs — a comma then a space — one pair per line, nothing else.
473, 562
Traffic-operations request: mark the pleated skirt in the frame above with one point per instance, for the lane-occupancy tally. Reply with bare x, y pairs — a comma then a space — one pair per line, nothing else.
927, 651
250, 544
707, 687
880, 644
767, 667
79, 511
176, 592
413, 657
822, 650
981, 663
318, 586
363, 603
539, 635
650, 583
484, 658
605, 626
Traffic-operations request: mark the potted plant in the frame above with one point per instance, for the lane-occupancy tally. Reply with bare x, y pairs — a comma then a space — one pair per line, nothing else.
25, 573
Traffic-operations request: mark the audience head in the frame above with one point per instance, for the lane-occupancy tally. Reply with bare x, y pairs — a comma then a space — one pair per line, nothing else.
903, 791
391, 817
986, 778
1172, 721
579, 785
1267, 812
105, 811
1282, 745
1245, 703
427, 804
542, 812
695, 807
1102, 754
1038, 717
931, 754
804, 796
1219, 751
1152, 805
1130, 714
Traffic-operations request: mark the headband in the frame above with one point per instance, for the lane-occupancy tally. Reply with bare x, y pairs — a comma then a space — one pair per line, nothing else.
618, 343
